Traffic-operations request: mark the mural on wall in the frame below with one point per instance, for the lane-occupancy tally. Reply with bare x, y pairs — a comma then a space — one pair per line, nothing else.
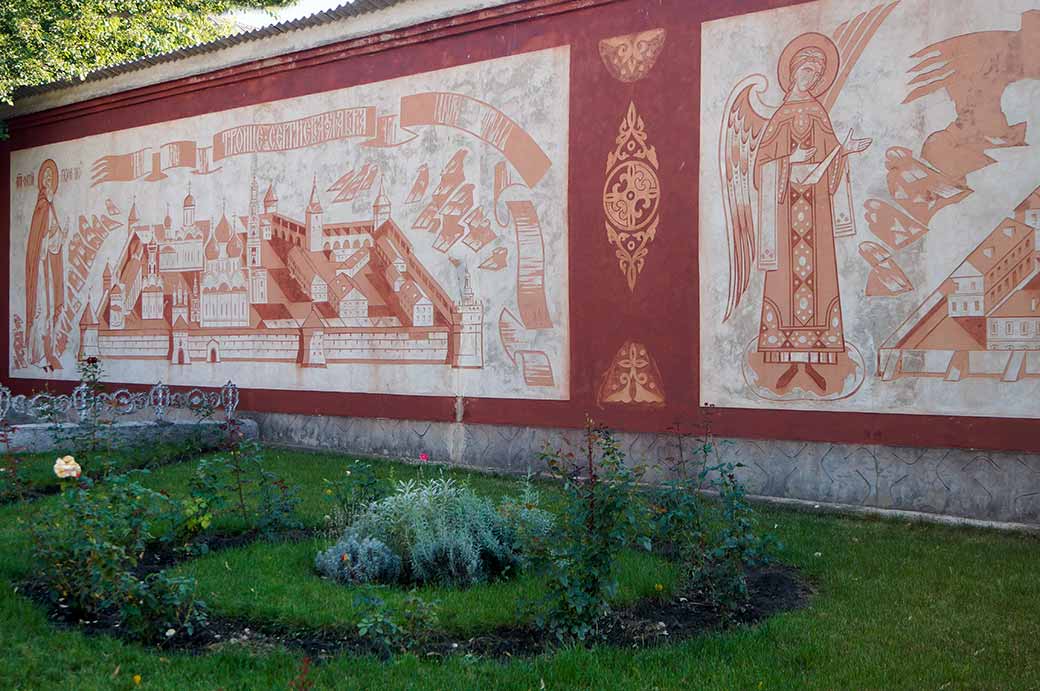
354, 240
938, 311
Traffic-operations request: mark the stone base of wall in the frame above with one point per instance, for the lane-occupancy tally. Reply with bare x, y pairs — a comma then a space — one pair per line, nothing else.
38, 438
977, 485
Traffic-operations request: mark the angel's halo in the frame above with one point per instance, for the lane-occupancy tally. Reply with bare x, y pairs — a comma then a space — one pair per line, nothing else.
810, 39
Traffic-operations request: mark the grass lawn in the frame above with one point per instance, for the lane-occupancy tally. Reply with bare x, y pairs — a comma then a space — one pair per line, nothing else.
897, 606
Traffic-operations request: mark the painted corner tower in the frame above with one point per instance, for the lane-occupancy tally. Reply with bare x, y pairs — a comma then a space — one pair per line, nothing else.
468, 329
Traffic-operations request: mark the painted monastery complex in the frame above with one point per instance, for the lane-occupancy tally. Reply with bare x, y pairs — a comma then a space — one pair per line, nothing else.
984, 319
267, 287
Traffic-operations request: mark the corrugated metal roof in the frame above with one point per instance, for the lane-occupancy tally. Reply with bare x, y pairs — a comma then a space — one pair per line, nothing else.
345, 11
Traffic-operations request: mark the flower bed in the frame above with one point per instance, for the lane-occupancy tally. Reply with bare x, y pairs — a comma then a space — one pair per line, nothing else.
883, 591
120, 556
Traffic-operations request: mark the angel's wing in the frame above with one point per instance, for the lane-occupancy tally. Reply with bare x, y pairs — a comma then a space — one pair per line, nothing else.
851, 39
742, 129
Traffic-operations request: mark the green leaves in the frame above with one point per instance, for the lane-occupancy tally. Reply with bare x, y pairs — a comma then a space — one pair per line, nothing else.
600, 518
356, 488
50, 40
87, 553
441, 531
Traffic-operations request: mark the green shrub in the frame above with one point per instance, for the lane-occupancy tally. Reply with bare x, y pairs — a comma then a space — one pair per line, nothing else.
419, 617
717, 555
601, 517
162, 606
87, 438
443, 533
87, 552
532, 527
277, 504
237, 483
714, 538
356, 488
359, 561
379, 625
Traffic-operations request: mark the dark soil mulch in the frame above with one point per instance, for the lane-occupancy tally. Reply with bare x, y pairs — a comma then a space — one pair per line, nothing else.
30, 494
653, 621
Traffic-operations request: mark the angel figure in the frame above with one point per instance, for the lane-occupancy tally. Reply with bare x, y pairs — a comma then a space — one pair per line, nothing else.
787, 197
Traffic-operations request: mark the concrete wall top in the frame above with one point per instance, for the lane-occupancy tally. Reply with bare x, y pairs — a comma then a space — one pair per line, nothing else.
242, 49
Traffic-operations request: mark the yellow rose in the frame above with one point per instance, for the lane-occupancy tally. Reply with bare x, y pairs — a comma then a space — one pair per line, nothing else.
66, 468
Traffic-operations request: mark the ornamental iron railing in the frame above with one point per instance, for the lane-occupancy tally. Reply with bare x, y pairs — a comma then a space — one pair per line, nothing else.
47, 406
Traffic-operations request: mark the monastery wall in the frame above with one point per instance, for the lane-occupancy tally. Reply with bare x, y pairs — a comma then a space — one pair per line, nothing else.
809, 228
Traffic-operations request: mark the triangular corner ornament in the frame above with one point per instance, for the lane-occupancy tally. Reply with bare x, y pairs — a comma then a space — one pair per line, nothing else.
632, 196
629, 58
631, 379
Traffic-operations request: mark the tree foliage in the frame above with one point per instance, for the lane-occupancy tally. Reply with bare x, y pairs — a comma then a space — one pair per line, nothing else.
43, 41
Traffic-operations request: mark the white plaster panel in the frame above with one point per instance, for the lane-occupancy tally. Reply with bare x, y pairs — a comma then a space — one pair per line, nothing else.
988, 73
509, 115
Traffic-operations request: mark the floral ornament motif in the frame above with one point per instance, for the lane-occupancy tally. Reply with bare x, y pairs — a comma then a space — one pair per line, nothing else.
631, 196
632, 379
629, 58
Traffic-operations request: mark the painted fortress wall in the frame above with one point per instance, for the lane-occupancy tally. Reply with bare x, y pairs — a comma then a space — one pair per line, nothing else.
808, 227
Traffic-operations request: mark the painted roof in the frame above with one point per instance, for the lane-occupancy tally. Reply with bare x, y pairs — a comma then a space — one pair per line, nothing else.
995, 247
348, 228
313, 320
1021, 303
223, 233
235, 246
88, 319
212, 251
357, 258
314, 207
411, 295
304, 265
1030, 202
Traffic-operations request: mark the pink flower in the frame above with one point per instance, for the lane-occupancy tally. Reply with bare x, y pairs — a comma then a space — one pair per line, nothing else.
424, 457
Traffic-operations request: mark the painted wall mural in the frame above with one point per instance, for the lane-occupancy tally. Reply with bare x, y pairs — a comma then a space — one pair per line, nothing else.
361, 240
869, 208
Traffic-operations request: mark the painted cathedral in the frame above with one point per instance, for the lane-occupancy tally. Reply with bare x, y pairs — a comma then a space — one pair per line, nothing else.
269, 287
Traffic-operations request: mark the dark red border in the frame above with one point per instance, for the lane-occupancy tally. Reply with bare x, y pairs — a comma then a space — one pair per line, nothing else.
662, 313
